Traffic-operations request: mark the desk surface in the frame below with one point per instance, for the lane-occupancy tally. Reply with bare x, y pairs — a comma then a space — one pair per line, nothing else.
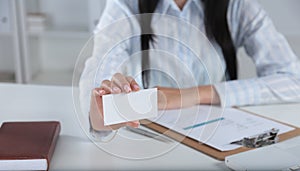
75, 152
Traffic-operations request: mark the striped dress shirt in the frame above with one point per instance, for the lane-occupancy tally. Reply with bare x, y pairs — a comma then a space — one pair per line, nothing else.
180, 55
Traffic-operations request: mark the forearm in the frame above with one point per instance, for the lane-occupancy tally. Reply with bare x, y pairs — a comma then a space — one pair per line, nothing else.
173, 98
208, 95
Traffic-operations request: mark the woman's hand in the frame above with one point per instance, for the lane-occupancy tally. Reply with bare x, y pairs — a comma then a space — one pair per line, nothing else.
118, 84
173, 98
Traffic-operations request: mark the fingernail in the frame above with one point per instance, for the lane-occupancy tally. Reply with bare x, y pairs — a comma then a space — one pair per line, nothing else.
127, 88
101, 92
116, 90
136, 87
137, 124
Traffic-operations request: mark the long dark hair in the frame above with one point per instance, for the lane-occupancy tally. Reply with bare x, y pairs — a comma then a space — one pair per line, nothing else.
216, 27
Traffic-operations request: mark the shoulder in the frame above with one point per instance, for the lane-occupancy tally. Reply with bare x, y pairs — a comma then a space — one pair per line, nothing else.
244, 17
240, 8
245, 3
130, 7
116, 10
243, 13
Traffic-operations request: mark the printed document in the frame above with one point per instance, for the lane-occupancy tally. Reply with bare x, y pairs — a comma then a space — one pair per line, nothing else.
215, 126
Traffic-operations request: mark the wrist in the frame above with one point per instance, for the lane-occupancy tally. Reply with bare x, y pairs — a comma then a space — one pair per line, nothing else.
208, 95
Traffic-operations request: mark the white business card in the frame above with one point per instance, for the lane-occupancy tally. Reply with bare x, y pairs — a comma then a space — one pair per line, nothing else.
118, 108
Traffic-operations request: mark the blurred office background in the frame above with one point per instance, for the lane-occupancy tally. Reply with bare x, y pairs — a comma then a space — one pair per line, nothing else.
40, 40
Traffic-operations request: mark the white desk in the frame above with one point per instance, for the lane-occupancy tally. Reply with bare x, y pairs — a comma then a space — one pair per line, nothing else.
75, 152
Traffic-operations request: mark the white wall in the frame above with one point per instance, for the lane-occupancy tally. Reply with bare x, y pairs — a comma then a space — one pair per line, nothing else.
61, 52
6, 56
66, 14
6, 43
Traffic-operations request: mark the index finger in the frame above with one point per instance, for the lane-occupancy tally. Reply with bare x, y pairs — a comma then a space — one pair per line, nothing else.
119, 80
133, 84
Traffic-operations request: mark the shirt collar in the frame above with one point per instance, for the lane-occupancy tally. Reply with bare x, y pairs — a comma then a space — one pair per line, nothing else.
164, 5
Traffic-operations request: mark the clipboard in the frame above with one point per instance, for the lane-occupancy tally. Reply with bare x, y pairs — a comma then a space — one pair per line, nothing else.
206, 149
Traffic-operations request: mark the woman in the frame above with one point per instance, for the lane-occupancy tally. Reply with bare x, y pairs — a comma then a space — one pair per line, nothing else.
229, 25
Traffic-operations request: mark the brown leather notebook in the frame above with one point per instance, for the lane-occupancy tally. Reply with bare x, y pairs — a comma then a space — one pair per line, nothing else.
27, 145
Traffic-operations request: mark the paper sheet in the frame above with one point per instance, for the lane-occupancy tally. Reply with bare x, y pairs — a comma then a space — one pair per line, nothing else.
118, 108
215, 126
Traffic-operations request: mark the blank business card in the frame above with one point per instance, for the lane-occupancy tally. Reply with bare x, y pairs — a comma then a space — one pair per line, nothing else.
118, 108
